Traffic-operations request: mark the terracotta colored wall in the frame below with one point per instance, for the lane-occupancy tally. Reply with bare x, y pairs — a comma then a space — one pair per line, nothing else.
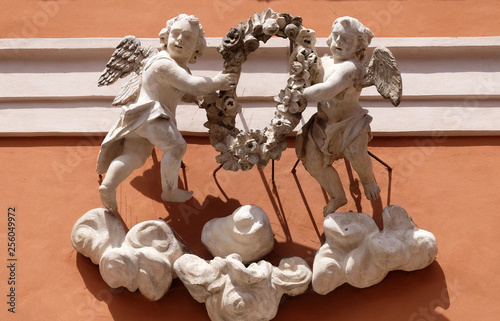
449, 185
393, 18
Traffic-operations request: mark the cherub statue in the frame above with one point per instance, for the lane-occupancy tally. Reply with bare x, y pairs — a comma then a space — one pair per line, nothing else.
341, 127
160, 80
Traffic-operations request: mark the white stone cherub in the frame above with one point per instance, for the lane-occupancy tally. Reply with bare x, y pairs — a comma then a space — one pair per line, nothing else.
159, 82
341, 127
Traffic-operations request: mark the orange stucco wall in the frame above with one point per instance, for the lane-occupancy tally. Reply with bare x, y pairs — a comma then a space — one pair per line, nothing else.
390, 18
449, 185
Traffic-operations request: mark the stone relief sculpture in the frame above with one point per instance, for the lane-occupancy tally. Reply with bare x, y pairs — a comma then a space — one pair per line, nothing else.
232, 291
358, 253
141, 259
148, 257
246, 232
341, 127
160, 79
241, 150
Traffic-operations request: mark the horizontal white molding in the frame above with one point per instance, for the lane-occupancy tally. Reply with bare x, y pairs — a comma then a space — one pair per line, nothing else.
450, 85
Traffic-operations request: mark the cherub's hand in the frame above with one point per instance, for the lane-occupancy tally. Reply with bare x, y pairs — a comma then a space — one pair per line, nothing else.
226, 81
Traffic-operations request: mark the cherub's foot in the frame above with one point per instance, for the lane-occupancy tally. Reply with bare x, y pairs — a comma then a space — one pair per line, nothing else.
372, 191
333, 205
108, 198
176, 195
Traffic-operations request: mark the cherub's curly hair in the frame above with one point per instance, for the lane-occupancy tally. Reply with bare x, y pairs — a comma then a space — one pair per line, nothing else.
201, 43
364, 34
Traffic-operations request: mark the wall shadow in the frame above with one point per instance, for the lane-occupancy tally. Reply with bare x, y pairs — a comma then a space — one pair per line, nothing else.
125, 305
190, 217
356, 193
308, 209
277, 205
417, 295
149, 183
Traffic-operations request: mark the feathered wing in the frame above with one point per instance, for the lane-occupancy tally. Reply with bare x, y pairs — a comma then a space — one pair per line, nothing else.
383, 72
128, 58
129, 91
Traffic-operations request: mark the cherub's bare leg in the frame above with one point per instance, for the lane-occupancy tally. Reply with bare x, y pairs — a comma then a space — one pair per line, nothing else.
327, 177
170, 165
166, 136
136, 151
357, 154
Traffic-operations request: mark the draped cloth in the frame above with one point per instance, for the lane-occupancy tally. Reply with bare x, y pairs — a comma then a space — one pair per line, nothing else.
332, 138
133, 116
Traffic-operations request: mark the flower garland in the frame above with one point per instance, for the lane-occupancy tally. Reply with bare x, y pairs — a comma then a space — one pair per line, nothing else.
242, 150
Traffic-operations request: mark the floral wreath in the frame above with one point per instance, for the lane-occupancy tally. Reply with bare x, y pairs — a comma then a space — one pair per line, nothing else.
242, 150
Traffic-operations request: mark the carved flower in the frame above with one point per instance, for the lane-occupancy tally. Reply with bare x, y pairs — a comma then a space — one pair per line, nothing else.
307, 38
230, 165
291, 31
281, 22
279, 121
312, 59
275, 149
301, 56
296, 83
296, 68
232, 38
217, 134
241, 150
252, 158
271, 27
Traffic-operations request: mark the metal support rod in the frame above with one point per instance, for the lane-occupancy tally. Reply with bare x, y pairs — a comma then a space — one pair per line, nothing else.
216, 170
389, 168
272, 171
295, 166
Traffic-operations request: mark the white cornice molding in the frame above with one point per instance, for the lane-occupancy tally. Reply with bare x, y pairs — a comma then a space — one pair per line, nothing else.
48, 86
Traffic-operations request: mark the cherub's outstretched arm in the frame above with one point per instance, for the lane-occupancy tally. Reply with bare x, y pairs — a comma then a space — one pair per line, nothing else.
169, 73
340, 79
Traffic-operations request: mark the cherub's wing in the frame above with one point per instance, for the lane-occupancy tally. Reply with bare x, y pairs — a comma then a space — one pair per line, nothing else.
383, 72
127, 58
129, 91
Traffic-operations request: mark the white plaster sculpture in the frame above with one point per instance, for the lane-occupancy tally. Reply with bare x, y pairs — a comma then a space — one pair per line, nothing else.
358, 253
341, 127
141, 259
240, 150
159, 81
246, 232
232, 291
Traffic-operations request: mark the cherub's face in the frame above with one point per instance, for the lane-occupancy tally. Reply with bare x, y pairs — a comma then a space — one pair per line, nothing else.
182, 40
343, 42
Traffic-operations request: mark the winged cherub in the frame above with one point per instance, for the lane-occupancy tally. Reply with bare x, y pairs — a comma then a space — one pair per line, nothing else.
159, 81
341, 127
